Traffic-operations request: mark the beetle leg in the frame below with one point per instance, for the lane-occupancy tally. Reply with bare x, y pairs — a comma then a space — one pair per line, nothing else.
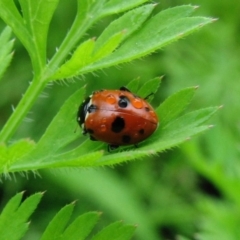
148, 96
112, 147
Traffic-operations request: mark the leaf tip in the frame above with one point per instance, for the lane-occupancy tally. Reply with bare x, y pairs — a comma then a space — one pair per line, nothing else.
211, 126
74, 202
161, 77
220, 107
196, 87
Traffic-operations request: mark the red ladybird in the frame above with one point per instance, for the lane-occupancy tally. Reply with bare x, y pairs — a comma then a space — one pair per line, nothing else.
117, 117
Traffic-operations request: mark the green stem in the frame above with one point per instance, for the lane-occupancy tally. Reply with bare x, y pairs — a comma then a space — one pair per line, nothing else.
37, 84
28, 99
77, 31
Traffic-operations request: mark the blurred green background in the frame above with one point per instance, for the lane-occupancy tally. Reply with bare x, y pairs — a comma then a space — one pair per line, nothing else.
168, 195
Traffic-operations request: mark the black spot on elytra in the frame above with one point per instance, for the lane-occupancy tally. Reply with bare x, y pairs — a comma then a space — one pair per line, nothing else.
126, 139
118, 125
147, 109
141, 131
89, 130
123, 102
149, 95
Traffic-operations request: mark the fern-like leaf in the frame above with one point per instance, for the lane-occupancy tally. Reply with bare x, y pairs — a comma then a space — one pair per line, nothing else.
175, 127
14, 217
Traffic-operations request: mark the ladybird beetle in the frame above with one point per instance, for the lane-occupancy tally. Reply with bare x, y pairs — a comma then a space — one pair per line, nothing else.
117, 117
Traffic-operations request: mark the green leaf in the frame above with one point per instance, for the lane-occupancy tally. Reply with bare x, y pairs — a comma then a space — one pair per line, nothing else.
133, 85
6, 46
81, 226
84, 55
46, 155
173, 130
68, 160
32, 28
218, 219
11, 206
64, 120
172, 24
149, 88
28, 206
189, 120
173, 106
91, 51
116, 231
15, 216
13, 153
11, 16
37, 16
176, 132
81, 57
87, 13
128, 23
117, 6
108, 47
57, 225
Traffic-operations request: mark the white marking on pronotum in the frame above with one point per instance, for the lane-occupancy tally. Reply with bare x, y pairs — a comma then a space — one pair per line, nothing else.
89, 104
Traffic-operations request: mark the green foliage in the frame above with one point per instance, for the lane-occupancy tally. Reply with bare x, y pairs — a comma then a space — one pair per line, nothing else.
172, 131
115, 231
14, 225
134, 27
5, 50
137, 30
78, 229
224, 221
13, 153
14, 217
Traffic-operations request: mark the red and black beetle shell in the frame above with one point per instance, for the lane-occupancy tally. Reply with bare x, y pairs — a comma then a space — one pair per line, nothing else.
117, 117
